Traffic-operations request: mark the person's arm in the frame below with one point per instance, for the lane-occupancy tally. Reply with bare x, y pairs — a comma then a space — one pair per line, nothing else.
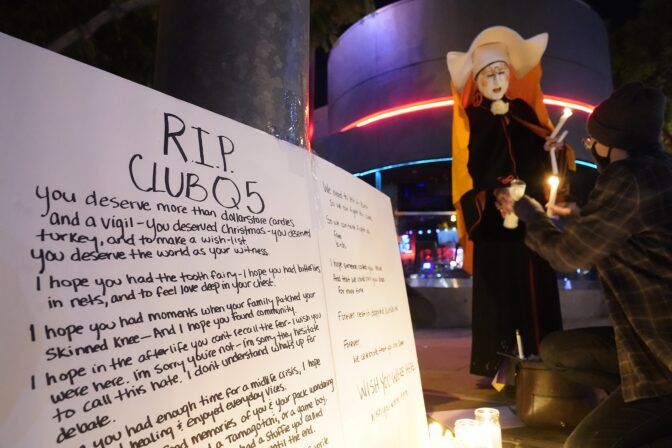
565, 213
609, 218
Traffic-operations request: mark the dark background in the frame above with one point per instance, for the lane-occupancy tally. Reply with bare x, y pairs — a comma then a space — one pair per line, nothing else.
640, 36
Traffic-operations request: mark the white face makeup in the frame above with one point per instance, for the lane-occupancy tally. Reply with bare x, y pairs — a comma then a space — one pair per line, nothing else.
493, 80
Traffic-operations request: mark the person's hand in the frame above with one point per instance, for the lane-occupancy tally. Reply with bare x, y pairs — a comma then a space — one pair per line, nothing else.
528, 206
559, 210
552, 143
503, 201
564, 210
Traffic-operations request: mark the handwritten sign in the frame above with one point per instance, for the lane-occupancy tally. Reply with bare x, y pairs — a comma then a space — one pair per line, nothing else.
373, 346
172, 278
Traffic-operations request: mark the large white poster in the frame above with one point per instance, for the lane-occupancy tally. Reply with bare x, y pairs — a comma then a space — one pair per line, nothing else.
172, 278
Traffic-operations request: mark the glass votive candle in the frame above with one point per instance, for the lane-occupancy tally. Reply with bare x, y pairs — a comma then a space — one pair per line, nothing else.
435, 432
440, 437
468, 434
488, 421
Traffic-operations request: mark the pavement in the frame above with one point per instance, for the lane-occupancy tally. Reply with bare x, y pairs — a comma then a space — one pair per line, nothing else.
450, 392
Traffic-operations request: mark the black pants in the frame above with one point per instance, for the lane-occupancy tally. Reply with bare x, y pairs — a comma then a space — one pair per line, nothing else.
588, 356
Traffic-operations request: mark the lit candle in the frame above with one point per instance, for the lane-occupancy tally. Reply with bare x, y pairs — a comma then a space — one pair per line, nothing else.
519, 341
469, 435
488, 421
566, 113
554, 181
554, 162
448, 440
438, 438
435, 432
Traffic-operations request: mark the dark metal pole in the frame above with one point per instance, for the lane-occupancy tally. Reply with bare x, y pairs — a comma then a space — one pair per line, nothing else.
244, 59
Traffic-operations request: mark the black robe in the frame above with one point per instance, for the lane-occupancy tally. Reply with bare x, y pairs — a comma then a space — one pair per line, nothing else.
513, 288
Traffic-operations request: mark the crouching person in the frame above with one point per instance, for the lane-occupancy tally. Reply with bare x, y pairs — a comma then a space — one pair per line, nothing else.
625, 231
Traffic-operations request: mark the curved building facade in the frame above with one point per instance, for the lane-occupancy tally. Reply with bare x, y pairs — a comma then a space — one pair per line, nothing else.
396, 57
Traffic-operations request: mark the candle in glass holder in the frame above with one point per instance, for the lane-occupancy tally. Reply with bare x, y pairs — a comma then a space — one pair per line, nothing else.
438, 438
435, 433
469, 434
488, 422
448, 440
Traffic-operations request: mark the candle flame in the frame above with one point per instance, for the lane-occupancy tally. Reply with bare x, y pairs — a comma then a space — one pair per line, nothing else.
567, 112
554, 181
435, 431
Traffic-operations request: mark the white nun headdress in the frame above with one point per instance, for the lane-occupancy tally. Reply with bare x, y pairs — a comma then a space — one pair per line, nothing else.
497, 43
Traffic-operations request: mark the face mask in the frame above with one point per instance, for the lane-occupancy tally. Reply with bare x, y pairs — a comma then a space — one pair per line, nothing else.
601, 161
493, 80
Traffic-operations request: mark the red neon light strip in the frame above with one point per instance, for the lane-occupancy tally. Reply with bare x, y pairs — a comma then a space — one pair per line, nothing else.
448, 101
572, 104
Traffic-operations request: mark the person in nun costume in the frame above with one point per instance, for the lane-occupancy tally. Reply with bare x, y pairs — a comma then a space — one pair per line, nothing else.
500, 125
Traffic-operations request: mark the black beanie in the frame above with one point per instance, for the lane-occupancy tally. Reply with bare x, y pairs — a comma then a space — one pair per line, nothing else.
631, 119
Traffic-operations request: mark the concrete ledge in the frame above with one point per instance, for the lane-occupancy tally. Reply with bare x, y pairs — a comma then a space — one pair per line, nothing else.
451, 302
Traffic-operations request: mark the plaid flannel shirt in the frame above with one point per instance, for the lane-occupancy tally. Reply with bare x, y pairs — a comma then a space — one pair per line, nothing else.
625, 230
